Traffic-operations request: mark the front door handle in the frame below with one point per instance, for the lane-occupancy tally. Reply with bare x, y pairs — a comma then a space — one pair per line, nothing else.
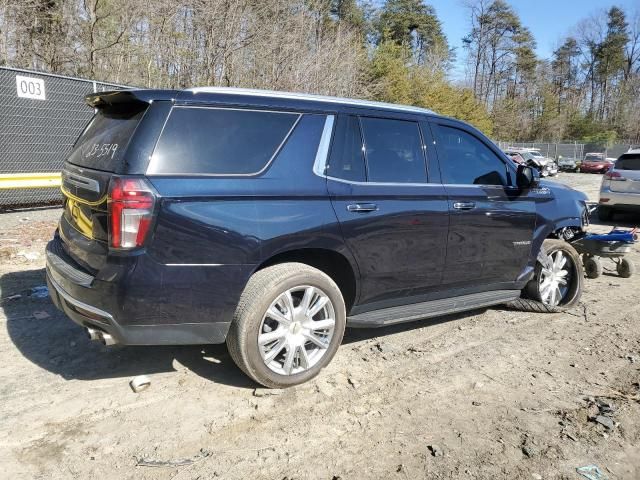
464, 205
362, 207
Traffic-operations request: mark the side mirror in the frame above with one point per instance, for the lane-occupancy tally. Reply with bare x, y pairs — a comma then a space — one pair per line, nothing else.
527, 177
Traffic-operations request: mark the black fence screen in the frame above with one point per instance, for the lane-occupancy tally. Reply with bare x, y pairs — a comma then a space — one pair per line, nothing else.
41, 115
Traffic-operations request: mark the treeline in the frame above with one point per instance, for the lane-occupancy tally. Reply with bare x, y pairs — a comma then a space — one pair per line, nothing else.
396, 51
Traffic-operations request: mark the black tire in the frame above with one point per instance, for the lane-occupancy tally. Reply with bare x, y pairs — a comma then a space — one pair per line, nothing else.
625, 268
604, 213
592, 266
531, 301
263, 288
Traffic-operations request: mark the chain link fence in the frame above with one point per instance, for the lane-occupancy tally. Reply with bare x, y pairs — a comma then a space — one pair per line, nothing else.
41, 115
570, 149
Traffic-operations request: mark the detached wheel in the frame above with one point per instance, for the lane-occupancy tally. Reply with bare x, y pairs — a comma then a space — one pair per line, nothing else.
592, 267
625, 268
288, 325
558, 280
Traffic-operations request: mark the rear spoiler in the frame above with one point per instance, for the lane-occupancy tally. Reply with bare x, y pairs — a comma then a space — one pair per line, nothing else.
131, 97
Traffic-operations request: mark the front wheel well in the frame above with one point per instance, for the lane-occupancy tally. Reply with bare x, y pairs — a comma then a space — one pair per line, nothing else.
334, 264
568, 233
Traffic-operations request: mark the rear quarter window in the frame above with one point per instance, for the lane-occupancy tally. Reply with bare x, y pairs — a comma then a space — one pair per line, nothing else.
218, 141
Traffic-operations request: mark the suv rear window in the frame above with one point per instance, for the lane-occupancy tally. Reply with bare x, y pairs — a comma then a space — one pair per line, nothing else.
102, 144
628, 162
218, 141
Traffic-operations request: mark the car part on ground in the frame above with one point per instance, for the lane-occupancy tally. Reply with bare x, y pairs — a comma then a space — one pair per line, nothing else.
558, 280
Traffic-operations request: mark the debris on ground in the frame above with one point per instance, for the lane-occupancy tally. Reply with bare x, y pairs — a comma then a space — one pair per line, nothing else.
601, 411
605, 421
140, 383
591, 472
528, 448
267, 392
31, 256
11, 297
435, 450
41, 291
181, 462
40, 315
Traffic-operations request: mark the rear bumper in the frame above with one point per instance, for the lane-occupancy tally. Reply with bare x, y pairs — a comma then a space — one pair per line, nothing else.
620, 200
89, 316
148, 303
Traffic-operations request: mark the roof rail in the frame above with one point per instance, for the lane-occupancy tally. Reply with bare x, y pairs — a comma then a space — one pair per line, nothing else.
310, 97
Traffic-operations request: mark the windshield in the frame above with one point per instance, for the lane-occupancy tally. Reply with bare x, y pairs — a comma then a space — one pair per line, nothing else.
536, 154
102, 144
593, 158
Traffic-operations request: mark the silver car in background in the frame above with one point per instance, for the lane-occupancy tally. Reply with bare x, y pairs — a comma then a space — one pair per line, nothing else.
620, 189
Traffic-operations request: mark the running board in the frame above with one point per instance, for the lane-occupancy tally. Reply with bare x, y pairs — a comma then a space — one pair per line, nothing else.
433, 308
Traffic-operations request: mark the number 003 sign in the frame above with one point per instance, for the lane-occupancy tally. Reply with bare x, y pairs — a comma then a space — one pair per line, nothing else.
29, 87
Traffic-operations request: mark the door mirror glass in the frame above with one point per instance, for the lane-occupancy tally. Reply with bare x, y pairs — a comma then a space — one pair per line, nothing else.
527, 177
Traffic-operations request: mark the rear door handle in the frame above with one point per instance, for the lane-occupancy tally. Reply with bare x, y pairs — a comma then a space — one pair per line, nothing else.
362, 207
464, 205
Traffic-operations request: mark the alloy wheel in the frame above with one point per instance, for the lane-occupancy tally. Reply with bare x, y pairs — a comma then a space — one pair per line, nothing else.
296, 330
555, 278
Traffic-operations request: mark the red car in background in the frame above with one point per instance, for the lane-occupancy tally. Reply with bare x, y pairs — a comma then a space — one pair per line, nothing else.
595, 163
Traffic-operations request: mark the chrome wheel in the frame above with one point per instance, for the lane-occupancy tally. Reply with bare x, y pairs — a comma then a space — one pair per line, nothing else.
296, 330
555, 278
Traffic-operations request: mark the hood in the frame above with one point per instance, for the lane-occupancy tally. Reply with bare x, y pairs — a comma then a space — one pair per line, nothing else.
542, 161
564, 191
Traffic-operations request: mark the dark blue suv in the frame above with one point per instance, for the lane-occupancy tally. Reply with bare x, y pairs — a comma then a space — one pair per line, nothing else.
271, 221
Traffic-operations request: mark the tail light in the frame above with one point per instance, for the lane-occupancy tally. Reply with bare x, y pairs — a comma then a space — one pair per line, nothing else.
130, 204
615, 176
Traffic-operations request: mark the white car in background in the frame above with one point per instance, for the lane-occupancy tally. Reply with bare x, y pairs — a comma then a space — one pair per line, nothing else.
620, 189
532, 156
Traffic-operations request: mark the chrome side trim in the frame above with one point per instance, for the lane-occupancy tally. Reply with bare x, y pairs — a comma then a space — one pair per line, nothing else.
194, 264
81, 182
384, 184
320, 163
307, 96
77, 303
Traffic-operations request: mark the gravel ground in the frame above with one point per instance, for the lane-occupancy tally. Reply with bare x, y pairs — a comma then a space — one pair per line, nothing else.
490, 394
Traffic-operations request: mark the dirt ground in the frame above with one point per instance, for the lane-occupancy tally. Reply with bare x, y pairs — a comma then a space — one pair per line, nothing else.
490, 394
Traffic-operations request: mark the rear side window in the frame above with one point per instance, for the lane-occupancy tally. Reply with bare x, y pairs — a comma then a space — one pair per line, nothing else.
465, 160
628, 162
102, 144
393, 150
346, 160
219, 141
